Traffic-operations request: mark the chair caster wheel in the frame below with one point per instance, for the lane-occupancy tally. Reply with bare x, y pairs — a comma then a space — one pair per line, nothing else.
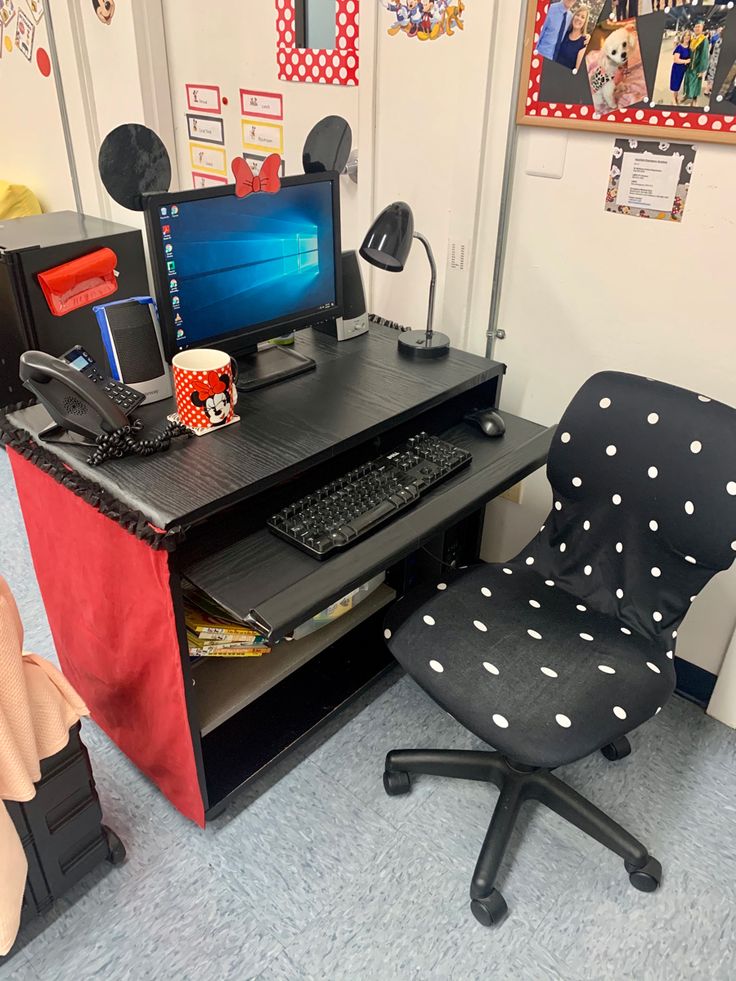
617, 750
396, 782
647, 878
489, 911
116, 849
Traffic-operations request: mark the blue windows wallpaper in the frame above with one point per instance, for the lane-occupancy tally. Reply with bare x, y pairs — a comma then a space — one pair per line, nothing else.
235, 262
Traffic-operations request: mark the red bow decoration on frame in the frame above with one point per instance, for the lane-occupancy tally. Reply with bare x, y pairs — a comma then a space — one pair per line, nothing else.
214, 385
268, 180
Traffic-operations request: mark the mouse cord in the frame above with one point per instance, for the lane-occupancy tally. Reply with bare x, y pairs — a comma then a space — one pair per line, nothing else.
125, 442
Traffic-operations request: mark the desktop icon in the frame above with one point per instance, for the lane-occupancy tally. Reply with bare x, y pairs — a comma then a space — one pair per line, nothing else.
169, 249
164, 212
180, 333
171, 268
173, 286
174, 211
178, 319
175, 302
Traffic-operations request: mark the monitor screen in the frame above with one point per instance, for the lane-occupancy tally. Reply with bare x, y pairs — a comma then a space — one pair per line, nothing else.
244, 269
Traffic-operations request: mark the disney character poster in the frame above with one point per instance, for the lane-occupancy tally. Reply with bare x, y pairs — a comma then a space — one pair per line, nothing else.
425, 20
615, 68
650, 179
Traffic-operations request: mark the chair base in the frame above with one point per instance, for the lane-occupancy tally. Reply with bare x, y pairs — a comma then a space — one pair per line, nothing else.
518, 784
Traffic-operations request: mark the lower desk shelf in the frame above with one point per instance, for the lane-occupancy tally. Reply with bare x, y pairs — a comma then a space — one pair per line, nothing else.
226, 685
253, 710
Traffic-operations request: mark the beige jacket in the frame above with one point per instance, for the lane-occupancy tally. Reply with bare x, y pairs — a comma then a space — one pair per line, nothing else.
38, 707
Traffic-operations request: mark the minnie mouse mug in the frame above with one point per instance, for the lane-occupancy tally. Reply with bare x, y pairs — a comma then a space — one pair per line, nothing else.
204, 385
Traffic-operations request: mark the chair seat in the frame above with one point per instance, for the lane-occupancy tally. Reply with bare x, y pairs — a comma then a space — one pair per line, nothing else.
526, 666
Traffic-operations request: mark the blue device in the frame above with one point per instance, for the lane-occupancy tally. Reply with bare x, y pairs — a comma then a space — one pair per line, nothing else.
132, 338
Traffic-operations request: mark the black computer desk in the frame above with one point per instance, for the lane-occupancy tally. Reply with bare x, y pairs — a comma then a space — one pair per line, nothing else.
198, 513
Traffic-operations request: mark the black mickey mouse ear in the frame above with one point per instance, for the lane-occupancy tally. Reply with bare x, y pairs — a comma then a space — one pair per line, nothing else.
133, 161
328, 146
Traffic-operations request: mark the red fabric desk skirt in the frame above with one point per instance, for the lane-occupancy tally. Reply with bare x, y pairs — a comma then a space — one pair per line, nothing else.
108, 600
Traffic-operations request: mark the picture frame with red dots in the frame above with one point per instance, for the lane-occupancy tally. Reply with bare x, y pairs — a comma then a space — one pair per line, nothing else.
339, 66
538, 105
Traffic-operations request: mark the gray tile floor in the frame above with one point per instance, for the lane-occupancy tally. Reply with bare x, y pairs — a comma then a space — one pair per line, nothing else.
317, 874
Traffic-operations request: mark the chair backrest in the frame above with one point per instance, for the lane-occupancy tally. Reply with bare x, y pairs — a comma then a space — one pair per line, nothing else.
644, 515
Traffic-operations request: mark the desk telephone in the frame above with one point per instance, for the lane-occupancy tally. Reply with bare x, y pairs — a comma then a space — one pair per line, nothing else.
76, 394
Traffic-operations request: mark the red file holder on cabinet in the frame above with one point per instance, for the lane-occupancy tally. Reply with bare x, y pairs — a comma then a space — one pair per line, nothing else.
80, 282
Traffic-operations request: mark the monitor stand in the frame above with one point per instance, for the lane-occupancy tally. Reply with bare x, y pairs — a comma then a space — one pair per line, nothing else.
270, 365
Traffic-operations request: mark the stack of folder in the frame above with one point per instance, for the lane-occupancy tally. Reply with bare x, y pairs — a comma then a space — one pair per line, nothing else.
212, 633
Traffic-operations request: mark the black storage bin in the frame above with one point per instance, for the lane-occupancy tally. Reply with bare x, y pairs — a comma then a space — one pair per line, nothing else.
29, 246
61, 829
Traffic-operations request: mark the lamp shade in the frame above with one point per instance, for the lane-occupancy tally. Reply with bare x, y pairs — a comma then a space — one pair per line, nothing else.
389, 240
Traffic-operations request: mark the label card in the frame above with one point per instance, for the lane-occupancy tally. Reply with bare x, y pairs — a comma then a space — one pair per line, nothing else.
208, 159
24, 32
204, 98
206, 129
207, 180
261, 105
263, 137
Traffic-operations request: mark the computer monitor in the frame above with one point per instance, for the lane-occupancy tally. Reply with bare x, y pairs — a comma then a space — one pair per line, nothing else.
231, 272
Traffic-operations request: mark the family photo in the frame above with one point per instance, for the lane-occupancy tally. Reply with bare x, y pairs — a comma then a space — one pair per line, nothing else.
689, 56
614, 66
567, 31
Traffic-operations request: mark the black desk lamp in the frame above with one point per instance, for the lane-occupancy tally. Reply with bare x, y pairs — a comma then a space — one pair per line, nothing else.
387, 246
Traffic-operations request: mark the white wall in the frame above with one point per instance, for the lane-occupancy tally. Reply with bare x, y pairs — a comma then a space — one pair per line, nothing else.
431, 100
32, 148
585, 290
234, 46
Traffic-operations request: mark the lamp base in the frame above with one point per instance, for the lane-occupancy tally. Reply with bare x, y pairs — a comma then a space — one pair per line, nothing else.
414, 344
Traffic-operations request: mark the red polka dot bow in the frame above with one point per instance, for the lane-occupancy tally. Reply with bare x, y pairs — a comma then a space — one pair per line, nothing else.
214, 385
268, 180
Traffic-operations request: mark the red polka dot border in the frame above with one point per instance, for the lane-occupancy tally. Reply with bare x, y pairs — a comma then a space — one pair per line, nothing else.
338, 67
689, 122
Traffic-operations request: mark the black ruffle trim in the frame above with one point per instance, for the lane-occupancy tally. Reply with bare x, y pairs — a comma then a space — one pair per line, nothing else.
133, 522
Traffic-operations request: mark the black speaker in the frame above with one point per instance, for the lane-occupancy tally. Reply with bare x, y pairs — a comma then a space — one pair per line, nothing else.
354, 321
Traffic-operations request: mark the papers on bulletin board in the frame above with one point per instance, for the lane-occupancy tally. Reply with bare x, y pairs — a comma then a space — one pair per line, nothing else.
649, 179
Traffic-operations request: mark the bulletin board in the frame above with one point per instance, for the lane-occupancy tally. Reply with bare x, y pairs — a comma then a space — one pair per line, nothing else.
553, 95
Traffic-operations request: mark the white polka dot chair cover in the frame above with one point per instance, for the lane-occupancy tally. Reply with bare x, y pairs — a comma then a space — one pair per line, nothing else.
568, 647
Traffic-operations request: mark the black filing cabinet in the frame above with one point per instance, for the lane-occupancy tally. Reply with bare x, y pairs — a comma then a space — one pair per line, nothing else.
29, 246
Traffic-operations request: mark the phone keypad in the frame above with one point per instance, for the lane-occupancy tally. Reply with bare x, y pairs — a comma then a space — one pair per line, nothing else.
127, 398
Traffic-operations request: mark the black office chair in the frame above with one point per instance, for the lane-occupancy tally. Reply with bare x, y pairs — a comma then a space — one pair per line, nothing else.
570, 646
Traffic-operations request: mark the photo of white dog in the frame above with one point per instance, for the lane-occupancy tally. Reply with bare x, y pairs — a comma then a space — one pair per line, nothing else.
614, 66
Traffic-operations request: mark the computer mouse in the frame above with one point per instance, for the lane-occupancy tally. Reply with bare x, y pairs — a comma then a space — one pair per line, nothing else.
488, 421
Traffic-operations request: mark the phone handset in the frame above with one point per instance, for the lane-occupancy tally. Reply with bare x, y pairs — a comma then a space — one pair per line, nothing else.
72, 400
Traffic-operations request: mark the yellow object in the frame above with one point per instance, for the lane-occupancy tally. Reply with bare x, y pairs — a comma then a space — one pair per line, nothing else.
8, 43
17, 201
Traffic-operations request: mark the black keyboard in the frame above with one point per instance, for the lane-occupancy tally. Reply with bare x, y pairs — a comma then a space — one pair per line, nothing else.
342, 513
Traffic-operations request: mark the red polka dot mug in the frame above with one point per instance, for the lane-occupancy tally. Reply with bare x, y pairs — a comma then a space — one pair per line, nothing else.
204, 385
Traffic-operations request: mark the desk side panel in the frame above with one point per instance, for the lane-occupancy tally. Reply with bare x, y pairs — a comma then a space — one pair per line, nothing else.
108, 599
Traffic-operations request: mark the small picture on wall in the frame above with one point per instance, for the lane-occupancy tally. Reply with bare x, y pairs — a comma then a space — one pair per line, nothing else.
105, 10
614, 66
425, 20
689, 56
567, 30
24, 31
7, 11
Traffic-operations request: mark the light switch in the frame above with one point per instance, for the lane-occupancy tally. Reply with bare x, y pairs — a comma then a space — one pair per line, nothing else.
546, 153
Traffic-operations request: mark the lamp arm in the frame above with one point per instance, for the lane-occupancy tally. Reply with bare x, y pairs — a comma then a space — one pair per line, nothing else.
433, 282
